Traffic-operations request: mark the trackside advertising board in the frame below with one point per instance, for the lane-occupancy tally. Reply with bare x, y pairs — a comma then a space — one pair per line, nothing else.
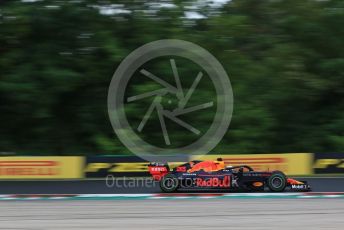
72, 167
289, 163
102, 166
118, 166
132, 166
328, 163
41, 167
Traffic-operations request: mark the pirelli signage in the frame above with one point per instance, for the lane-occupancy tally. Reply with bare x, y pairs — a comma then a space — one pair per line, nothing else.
41, 167
289, 163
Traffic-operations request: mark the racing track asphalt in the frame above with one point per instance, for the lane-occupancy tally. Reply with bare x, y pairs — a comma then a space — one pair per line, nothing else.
126, 186
238, 214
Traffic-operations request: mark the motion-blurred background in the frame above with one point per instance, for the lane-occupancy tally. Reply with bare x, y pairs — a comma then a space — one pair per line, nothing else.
284, 58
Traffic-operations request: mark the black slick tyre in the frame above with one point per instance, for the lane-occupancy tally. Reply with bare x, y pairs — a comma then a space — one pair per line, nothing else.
277, 182
169, 183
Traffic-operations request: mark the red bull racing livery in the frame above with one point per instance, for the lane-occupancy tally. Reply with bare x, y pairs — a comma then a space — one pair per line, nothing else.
216, 175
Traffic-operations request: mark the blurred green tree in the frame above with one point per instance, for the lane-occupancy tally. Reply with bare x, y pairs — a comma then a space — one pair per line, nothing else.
285, 60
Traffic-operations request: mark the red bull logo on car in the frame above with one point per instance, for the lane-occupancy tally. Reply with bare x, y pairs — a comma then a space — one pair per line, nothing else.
214, 182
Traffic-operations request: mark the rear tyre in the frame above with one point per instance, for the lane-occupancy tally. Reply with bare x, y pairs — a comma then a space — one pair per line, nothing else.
277, 182
169, 183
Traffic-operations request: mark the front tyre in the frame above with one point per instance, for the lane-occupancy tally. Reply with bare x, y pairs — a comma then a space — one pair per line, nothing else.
277, 182
169, 183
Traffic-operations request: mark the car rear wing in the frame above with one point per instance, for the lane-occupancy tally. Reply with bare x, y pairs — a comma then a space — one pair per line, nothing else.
158, 170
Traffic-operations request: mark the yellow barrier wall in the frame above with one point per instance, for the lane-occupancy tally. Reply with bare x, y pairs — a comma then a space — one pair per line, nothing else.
41, 167
289, 163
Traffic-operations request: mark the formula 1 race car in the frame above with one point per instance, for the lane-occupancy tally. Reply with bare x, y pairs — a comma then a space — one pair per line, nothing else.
215, 175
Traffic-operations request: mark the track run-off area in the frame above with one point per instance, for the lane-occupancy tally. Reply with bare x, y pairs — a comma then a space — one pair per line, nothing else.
260, 214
